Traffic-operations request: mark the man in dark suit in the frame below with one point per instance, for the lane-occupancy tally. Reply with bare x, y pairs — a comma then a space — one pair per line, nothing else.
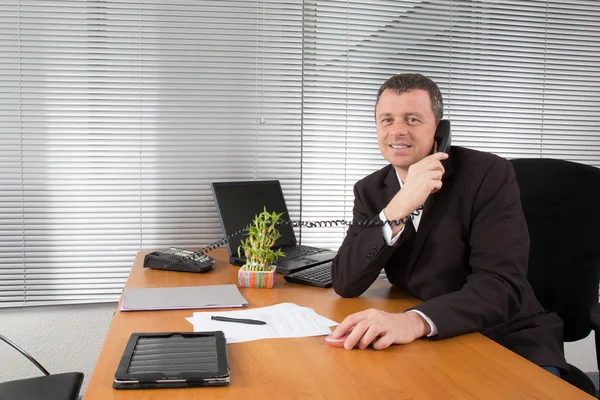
465, 255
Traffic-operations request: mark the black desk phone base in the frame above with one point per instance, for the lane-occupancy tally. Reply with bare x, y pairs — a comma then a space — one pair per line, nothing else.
176, 259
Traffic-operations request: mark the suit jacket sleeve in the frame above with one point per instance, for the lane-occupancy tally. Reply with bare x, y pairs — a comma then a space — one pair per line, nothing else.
362, 255
498, 257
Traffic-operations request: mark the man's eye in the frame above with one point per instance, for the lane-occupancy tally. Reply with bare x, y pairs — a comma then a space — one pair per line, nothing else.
412, 120
386, 120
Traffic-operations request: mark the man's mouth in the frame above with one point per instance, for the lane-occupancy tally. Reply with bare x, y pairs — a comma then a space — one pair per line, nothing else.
399, 146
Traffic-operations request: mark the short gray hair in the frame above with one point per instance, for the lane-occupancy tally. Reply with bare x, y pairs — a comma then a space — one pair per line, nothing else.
403, 83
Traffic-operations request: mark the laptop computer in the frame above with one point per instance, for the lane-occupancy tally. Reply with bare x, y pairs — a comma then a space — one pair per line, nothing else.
238, 203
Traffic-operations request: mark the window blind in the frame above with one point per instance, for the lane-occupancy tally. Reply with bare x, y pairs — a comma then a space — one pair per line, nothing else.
519, 79
116, 116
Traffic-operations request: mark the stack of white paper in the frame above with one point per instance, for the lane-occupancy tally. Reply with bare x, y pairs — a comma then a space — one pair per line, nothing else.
284, 320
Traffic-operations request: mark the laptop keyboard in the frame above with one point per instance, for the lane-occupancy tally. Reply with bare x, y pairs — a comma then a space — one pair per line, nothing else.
319, 275
299, 251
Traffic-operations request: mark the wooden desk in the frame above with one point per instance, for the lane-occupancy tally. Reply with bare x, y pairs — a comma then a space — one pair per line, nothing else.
470, 366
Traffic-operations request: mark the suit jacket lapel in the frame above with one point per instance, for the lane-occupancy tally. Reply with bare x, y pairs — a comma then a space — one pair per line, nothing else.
392, 186
430, 212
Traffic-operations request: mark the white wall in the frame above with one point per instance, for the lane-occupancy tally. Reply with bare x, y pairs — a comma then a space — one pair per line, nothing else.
69, 338
582, 354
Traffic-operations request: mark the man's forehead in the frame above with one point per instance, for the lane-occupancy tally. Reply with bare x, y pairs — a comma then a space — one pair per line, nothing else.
405, 112
413, 93
417, 103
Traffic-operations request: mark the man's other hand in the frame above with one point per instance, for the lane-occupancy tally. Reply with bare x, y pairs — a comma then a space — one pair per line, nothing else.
381, 329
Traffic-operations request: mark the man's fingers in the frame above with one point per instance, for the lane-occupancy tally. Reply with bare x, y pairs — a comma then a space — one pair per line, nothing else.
436, 186
381, 329
348, 323
354, 337
438, 156
436, 175
341, 329
383, 342
440, 168
435, 166
369, 337
427, 165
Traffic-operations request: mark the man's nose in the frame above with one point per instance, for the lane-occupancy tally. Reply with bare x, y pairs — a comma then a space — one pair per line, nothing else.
399, 129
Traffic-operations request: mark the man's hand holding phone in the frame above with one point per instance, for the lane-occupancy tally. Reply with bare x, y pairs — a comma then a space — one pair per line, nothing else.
423, 178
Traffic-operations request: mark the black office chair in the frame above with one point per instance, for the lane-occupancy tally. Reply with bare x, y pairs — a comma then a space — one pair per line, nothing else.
561, 202
64, 386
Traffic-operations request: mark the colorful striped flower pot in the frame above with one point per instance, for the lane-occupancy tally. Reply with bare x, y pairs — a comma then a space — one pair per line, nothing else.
256, 279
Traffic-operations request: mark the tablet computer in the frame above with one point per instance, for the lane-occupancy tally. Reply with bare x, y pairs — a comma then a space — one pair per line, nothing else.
173, 360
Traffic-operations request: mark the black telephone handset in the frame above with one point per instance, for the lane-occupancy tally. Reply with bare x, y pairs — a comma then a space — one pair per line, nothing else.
443, 137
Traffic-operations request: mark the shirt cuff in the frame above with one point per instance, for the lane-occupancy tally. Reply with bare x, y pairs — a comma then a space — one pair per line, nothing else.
434, 330
387, 231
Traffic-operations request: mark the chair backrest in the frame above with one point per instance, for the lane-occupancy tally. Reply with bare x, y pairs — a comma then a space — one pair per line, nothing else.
561, 202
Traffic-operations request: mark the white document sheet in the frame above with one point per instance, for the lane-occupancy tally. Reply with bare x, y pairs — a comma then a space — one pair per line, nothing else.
283, 320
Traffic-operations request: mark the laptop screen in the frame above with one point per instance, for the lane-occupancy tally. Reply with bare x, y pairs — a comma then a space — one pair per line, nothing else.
238, 203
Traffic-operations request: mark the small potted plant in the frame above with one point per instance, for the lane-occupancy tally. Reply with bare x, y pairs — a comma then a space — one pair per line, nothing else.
259, 271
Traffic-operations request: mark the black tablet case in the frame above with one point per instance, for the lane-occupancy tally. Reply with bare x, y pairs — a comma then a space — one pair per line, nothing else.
173, 360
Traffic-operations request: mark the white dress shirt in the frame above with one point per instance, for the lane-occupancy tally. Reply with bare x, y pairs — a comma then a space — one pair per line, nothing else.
387, 234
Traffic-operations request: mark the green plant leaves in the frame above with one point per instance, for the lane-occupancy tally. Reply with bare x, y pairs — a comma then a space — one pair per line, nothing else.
261, 235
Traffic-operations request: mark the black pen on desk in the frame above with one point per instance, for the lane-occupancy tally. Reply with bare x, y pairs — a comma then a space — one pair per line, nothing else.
238, 320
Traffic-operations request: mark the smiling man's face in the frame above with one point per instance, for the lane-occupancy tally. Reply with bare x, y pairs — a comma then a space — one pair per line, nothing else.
405, 128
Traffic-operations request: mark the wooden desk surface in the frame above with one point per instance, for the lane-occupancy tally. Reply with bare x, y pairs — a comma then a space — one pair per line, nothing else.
469, 366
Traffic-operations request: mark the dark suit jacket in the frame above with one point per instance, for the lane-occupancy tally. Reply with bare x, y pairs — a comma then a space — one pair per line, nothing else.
468, 261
